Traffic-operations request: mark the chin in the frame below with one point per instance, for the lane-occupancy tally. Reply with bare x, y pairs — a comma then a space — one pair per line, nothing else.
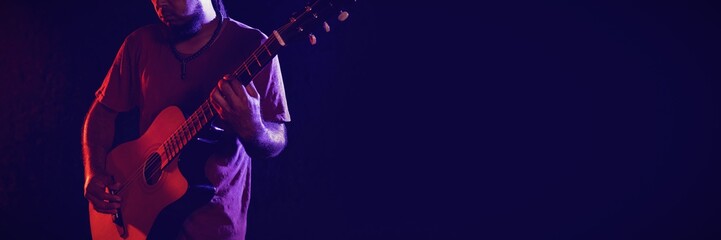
184, 31
185, 28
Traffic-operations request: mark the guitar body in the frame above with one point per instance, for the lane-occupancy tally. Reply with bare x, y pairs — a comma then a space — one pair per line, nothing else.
154, 206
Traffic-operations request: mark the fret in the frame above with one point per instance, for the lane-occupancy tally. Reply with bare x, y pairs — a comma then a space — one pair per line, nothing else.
164, 154
267, 50
171, 146
247, 69
168, 150
175, 144
256, 60
183, 134
194, 121
211, 112
198, 124
188, 132
181, 140
202, 113
191, 124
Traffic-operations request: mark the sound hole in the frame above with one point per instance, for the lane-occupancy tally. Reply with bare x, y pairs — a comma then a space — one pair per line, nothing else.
152, 169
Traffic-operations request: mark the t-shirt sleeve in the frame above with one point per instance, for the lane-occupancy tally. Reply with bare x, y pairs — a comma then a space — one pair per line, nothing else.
120, 88
269, 83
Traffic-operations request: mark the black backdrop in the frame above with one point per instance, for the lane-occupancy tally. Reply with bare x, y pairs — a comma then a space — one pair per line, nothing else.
513, 120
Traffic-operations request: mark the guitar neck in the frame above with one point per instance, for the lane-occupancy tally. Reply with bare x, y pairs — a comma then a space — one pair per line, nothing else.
206, 113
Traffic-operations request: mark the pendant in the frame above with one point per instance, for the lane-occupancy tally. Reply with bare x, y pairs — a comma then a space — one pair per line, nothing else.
182, 69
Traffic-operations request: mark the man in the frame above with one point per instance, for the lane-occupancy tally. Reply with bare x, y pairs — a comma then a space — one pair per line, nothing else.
179, 63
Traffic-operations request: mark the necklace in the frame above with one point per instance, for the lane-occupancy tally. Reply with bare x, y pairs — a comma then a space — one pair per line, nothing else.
185, 60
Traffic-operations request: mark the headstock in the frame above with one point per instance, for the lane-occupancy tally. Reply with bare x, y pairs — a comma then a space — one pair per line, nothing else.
314, 16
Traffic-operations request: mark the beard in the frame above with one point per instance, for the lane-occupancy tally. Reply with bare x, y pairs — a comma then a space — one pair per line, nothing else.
187, 30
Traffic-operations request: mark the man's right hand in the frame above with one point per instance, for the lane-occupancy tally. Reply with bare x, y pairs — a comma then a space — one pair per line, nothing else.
96, 191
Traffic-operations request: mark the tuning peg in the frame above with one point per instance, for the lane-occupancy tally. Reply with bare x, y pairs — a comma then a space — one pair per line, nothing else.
343, 16
312, 39
326, 26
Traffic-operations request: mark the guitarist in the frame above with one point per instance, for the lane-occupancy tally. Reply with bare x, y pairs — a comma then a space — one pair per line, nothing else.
179, 62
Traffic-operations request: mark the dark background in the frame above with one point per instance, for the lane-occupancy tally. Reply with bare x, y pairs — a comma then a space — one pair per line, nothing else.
512, 120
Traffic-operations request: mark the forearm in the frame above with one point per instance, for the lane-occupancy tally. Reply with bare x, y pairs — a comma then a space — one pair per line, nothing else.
97, 137
269, 140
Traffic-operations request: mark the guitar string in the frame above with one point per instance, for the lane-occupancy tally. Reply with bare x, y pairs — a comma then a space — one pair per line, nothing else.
153, 161
158, 170
247, 62
167, 146
244, 66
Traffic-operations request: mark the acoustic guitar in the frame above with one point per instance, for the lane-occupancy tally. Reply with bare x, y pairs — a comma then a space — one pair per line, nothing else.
161, 171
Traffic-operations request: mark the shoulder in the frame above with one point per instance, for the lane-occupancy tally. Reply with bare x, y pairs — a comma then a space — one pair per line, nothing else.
245, 31
145, 34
